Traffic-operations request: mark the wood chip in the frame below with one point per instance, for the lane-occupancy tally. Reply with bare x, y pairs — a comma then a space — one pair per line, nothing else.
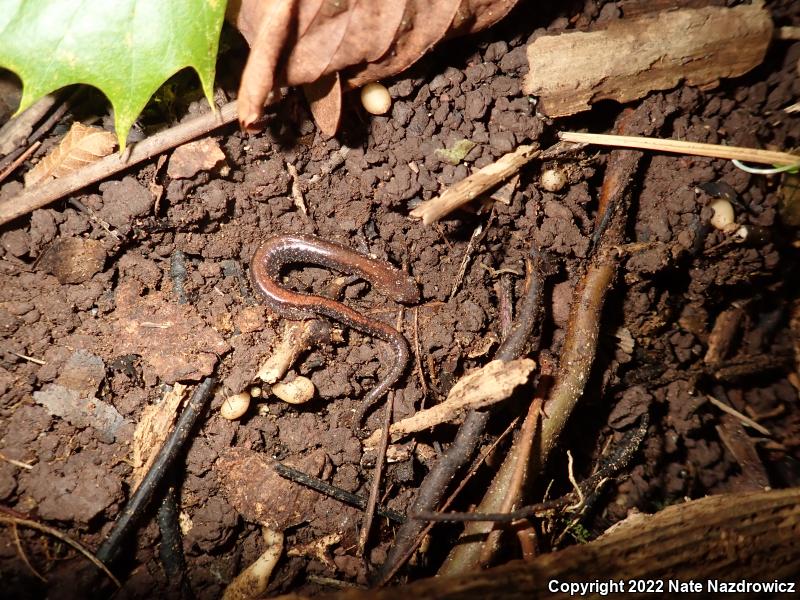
488, 385
632, 57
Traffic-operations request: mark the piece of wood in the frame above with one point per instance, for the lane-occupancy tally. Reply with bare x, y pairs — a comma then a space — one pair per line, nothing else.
473, 186
633, 57
749, 537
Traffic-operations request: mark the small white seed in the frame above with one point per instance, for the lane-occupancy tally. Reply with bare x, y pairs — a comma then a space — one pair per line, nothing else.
553, 180
297, 391
723, 214
376, 99
235, 406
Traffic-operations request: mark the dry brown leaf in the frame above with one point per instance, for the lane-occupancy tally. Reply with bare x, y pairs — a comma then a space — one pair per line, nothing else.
325, 99
74, 259
81, 146
189, 159
172, 339
253, 487
362, 40
151, 431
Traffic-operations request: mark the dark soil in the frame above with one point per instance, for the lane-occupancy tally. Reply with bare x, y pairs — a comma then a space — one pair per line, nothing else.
96, 299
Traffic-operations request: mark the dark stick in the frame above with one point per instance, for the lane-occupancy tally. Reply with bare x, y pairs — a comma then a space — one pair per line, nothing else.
377, 474
141, 498
326, 488
170, 551
436, 482
608, 468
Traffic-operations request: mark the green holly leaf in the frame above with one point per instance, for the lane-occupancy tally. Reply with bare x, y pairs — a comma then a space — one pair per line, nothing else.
125, 48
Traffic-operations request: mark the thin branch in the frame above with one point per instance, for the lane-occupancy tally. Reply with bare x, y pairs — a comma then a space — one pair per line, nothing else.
24, 556
323, 487
473, 186
169, 451
411, 548
17, 130
744, 419
64, 538
436, 482
19, 160
42, 195
377, 474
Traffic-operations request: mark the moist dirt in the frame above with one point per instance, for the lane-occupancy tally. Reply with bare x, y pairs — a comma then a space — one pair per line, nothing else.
147, 284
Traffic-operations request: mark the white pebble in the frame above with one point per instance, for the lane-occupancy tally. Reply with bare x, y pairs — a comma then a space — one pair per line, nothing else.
723, 213
235, 406
297, 391
376, 99
553, 180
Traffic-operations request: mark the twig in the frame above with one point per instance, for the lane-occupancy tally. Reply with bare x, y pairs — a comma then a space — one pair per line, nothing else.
787, 32
24, 556
172, 447
105, 225
516, 464
609, 466
476, 184
377, 473
434, 486
411, 548
418, 360
504, 290
64, 538
577, 357
297, 193
16, 463
170, 551
475, 239
473, 186
19, 160
680, 147
18, 129
296, 338
492, 383
36, 361
42, 195
323, 487
743, 418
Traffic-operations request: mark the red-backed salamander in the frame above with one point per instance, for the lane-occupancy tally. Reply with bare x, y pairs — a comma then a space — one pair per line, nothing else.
281, 250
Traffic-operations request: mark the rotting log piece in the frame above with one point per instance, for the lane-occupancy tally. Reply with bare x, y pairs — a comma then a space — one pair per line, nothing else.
751, 537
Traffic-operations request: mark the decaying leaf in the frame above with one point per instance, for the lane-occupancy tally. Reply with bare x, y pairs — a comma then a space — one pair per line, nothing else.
191, 158
360, 39
81, 146
151, 431
456, 153
172, 338
74, 259
325, 99
489, 384
262, 496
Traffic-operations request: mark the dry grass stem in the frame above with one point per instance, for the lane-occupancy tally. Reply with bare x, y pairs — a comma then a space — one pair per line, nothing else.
755, 155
